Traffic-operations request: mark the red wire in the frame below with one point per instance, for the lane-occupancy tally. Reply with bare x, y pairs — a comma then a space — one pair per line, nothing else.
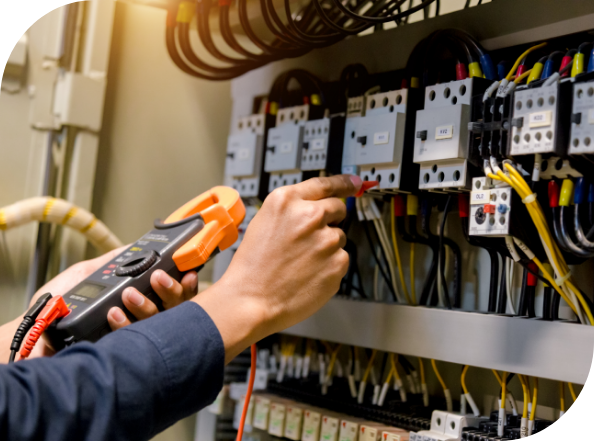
248, 394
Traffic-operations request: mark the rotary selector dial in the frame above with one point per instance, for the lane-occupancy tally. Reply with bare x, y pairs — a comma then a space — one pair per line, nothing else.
137, 264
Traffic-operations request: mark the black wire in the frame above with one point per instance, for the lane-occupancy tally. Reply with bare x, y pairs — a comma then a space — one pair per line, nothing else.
546, 302
556, 305
531, 294
524, 295
501, 304
494, 257
354, 358
12, 356
441, 258
377, 261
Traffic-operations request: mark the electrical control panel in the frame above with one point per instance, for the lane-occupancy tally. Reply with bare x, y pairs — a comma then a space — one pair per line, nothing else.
243, 166
582, 119
490, 209
322, 144
441, 134
376, 140
540, 122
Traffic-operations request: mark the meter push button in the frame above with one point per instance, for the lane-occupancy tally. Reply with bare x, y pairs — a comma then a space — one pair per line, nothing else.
136, 264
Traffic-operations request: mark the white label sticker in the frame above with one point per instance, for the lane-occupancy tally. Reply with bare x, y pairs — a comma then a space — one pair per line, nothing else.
591, 116
293, 423
276, 425
381, 138
349, 431
286, 147
311, 426
261, 413
540, 119
243, 154
318, 144
444, 132
329, 431
479, 197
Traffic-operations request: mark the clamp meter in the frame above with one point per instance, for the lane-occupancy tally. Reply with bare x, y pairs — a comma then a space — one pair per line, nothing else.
185, 241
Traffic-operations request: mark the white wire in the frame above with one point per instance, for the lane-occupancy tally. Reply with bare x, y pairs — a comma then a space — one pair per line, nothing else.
7, 258
440, 293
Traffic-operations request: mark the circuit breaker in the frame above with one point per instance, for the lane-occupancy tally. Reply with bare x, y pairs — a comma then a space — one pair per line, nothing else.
490, 209
441, 136
354, 115
378, 139
243, 166
284, 146
541, 119
322, 144
582, 119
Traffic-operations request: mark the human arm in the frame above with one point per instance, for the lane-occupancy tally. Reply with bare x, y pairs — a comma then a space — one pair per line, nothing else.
140, 379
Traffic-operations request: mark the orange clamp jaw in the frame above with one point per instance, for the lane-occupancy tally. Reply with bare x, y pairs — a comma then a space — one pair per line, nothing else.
222, 210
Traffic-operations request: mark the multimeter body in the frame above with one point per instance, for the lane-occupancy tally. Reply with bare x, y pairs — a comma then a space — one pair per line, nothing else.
185, 241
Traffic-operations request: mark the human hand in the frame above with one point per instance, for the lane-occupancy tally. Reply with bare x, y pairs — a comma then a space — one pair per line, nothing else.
289, 264
171, 292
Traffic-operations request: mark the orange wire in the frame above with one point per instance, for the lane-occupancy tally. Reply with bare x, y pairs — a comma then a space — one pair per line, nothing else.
248, 395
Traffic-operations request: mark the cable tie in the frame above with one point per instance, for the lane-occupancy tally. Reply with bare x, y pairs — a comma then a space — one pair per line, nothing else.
529, 199
561, 280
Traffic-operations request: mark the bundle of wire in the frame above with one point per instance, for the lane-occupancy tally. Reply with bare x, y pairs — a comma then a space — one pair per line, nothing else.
319, 23
61, 212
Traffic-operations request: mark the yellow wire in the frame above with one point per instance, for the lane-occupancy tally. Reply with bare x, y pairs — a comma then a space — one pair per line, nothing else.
497, 376
572, 392
562, 396
397, 252
526, 392
520, 58
369, 365
519, 79
534, 398
463, 379
413, 293
333, 360
519, 184
503, 389
422, 369
394, 368
443, 385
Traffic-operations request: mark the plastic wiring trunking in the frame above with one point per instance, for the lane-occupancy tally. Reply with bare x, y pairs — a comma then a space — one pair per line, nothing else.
441, 145
245, 150
582, 118
541, 120
381, 137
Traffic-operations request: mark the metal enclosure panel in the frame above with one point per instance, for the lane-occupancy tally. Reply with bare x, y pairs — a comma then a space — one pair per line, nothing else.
446, 133
384, 139
242, 150
283, 149
489, 224
582, 134
538, 133
457, 337
315, 144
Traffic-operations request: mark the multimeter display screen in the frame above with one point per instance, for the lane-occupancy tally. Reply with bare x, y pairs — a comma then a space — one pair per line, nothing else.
89, 290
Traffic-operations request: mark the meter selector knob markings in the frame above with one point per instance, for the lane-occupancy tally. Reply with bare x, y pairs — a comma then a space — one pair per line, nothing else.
136, 264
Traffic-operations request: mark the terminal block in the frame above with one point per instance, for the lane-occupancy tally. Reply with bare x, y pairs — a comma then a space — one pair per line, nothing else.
243, 166
445, 426
379, 137
541, 120
322, 145
582, 119
441, 136
490, 209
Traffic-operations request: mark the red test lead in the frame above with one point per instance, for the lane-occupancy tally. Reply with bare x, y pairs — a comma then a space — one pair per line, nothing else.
54, 309
366, 185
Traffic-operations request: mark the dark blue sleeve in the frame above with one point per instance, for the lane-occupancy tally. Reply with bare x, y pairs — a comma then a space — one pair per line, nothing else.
131, 384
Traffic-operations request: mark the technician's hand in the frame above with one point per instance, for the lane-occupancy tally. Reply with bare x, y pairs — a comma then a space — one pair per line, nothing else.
289, 264
169, 290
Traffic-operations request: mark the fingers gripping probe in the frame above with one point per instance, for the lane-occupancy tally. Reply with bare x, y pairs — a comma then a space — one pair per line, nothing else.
184, 241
